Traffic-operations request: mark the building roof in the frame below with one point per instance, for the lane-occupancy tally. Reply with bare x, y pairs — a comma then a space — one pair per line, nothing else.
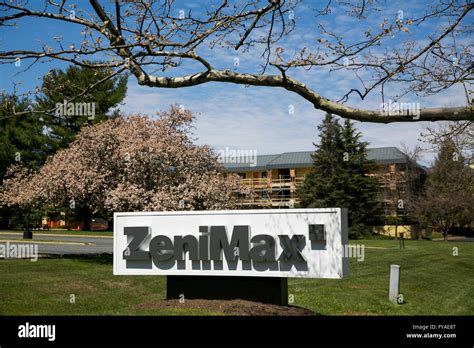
302, 159
259, 163
292, 160
385, 155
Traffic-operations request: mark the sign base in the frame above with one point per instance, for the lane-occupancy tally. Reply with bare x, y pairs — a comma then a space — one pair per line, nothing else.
272, 290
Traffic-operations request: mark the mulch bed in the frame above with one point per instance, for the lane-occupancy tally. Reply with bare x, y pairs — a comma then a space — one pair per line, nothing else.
231, 307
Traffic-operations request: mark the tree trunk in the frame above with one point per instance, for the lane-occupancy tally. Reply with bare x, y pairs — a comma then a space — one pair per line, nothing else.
110, 224
86, 216
28, 234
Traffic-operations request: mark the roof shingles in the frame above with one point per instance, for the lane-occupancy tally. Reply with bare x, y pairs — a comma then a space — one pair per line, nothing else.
302, 159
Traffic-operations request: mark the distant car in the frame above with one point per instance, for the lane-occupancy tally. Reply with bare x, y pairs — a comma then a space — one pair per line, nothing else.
99, 224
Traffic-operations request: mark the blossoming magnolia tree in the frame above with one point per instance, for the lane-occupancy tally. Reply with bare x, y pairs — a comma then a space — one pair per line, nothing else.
127, 164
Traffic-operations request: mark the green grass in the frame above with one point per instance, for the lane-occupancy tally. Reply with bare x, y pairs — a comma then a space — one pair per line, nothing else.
72, 233
45, 288
433, 282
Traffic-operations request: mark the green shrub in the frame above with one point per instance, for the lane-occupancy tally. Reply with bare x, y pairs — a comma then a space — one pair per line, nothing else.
360, 231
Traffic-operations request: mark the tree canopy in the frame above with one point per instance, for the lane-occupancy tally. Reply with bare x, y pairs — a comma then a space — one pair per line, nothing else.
447, 201
130, 163
337, 178
59, 86
22, 139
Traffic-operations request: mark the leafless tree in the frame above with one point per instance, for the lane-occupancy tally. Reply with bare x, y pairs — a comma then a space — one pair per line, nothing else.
154, 40
447, 200
461, 133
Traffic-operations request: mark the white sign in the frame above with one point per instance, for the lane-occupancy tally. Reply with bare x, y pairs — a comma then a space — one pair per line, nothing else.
307, 243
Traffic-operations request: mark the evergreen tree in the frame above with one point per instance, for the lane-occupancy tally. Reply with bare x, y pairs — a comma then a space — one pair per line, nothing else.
22, 142
361, 190
29, 139
449, 168
59, 86
22, 139
338, 176
321, 186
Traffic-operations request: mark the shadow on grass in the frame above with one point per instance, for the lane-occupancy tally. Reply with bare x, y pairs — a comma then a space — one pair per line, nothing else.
98, 259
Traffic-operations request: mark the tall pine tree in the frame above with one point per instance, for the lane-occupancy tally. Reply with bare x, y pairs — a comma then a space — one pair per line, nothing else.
59, 86
361, 190
29, 139
338, 176
22, 138
22, 142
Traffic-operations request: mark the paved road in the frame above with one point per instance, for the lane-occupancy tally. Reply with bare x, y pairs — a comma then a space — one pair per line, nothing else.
85, 245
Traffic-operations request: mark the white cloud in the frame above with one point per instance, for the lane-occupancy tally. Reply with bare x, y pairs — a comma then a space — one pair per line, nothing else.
257, 117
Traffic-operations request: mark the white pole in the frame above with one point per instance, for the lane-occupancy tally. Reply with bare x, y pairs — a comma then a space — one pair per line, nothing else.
394, 283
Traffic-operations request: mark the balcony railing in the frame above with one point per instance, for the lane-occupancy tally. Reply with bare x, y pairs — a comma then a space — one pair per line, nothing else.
272, 183
274, 192
281, 191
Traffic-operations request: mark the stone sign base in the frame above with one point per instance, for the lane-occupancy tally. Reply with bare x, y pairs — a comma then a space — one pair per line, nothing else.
259, 289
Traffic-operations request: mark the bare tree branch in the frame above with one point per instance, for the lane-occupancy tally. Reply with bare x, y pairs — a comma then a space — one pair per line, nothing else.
149, 39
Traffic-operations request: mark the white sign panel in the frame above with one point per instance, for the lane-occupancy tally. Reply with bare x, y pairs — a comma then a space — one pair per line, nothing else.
307, 243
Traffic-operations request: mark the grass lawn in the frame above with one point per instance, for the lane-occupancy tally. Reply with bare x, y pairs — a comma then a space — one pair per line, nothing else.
433, 282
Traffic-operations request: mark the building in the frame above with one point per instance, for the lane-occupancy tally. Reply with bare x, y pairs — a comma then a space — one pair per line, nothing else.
275, 178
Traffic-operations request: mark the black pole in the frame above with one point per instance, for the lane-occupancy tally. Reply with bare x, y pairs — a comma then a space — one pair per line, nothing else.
402, 240
27, 234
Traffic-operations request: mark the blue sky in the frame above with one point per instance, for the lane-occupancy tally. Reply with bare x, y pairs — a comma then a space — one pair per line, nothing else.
239, 117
